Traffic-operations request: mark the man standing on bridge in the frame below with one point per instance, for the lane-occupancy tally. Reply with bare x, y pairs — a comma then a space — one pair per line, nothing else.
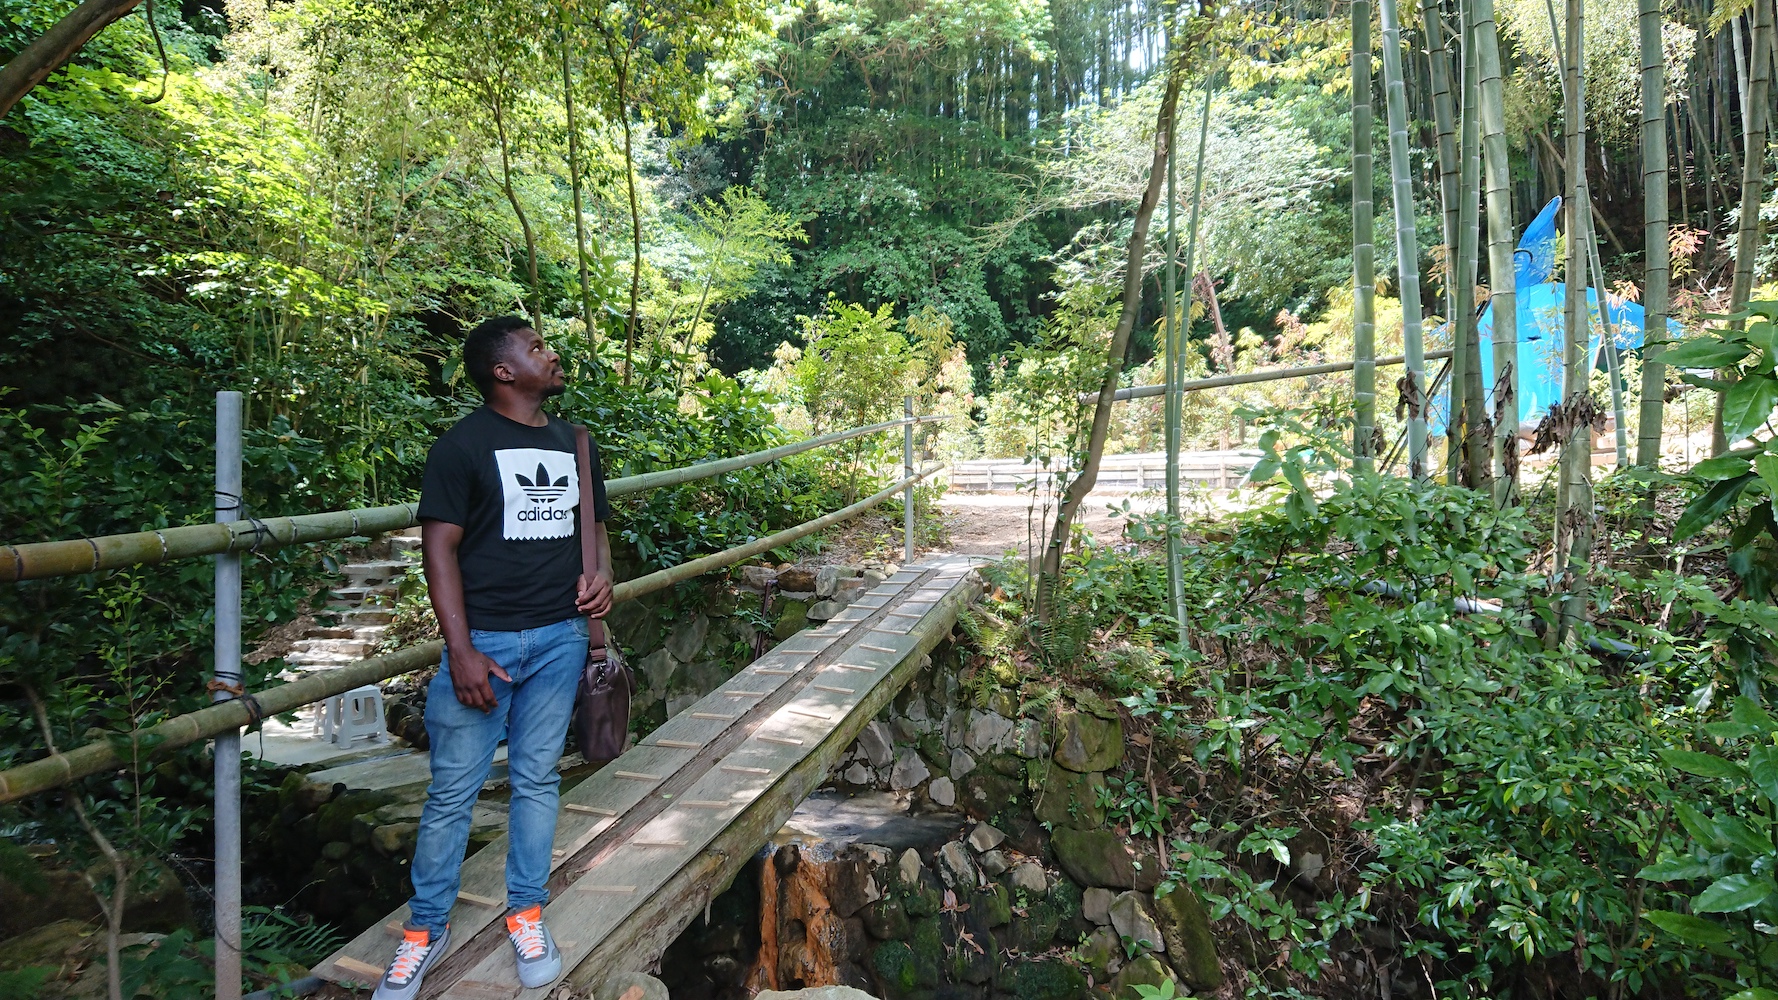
501, 540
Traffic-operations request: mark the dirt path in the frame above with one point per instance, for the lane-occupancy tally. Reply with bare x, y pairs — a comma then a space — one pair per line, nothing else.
989, 524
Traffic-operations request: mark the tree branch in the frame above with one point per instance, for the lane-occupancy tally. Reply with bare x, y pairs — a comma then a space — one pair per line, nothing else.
48, 51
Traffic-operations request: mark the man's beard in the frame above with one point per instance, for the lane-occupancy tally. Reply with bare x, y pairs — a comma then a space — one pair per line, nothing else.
555, 390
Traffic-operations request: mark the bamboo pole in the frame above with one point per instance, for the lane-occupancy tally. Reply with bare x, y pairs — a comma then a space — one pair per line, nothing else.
1249, 378
1574, 496
1364, 269
1656, 267
1753, 176
1466, 362
1450, 165
1407, 252
1173, 371
37, 560
61, 768
1504, 455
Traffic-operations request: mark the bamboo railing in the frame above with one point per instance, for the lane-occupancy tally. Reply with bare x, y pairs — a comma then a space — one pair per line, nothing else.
34, 561
38, 560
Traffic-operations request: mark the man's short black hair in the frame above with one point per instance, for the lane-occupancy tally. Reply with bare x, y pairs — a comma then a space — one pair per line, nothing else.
485, 347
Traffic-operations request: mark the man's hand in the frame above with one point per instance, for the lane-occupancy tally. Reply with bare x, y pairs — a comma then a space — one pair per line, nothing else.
593, 596
469, 676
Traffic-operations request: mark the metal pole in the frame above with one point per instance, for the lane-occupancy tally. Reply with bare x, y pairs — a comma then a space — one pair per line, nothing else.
907, 469
228, 684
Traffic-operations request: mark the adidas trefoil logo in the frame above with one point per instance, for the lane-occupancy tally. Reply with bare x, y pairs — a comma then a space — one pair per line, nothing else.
541, 490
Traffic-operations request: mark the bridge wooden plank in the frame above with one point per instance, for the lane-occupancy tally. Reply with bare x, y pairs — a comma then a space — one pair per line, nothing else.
625, 876
484, 874
637, 941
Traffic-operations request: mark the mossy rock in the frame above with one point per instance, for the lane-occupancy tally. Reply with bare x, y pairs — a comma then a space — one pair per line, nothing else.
972, 963
1088, 742
1098, 950
991, 796
1033, 931
1094, 858
886, 919
793, 617
1068, 901
1044, 979
932, 747
1065, 798
1144, 970
927, 942
925, 897
993, 905
1185, 929
334, 820
1009, 764
893, 963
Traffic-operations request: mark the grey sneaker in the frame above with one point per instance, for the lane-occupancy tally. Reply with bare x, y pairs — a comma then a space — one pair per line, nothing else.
540, 961
415, 954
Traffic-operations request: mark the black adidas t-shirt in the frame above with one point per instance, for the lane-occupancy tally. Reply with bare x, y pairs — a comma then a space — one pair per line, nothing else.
514, 490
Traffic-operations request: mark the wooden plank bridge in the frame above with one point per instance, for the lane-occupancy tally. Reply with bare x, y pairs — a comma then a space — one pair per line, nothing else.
644, 844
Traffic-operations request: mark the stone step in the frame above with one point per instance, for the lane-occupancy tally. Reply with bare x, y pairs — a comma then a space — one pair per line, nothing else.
331, 632
348, 647
348, 597
364, 617
320, 660
369, 573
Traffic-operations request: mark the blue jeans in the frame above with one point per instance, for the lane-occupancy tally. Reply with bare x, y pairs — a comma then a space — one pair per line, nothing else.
532, 716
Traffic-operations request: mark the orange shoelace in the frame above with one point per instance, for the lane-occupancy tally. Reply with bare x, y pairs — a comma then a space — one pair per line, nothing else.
526, 929
409, 954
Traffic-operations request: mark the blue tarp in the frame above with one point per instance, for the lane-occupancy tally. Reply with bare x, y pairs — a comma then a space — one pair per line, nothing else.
1540, 326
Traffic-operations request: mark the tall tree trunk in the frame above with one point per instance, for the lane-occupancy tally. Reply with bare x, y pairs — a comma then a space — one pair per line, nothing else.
1753, 164
1407, 252
1050, 567
1574, 498
1364, 280
535, 305
622, 62
1501, 244
1474, 424
580, 255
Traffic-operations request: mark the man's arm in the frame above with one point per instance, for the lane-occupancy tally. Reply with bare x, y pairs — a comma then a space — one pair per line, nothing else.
594, 595
444, 583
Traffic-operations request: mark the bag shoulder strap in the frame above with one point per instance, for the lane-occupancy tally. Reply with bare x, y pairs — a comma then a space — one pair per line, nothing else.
589, 540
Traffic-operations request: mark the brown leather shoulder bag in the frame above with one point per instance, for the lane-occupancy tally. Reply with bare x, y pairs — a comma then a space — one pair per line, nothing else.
602, 704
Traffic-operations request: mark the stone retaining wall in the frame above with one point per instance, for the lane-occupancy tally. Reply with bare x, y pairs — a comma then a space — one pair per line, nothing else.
1033, 897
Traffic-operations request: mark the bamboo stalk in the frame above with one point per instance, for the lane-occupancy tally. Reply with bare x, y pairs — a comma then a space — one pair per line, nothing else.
1176, 348
1406, 247
37, 560
1466, 362
1503, 292
1753, 176
1574, 496
1450, 165
1655, 250
1172, 373
1364, 279
1249, 378
59, 769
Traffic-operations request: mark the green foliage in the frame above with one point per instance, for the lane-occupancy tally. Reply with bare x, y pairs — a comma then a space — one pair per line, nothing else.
1738, 488
1127, 801
1541, 775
